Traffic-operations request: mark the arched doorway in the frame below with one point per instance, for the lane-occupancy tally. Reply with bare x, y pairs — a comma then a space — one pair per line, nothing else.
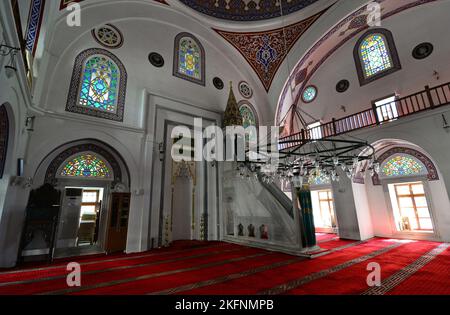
95, 201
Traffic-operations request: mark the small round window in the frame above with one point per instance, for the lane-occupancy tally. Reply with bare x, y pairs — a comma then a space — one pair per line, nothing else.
309, 94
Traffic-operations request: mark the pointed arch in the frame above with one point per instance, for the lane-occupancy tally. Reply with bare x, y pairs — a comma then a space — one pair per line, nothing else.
98, 85
189, 58
376, 55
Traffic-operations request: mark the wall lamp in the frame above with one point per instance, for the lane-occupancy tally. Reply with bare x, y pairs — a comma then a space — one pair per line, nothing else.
29, 123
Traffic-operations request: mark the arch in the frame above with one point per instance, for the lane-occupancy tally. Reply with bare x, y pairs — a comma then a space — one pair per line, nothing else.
4, 135
375, 55
189, 58
246, 107
107, 98
432, 173
345, 27
431, 168
86, 165
102, 150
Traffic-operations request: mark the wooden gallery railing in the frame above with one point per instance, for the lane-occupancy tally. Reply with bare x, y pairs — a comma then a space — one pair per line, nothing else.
427, 99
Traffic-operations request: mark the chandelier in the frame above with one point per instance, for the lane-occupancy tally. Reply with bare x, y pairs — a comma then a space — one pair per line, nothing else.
306, 156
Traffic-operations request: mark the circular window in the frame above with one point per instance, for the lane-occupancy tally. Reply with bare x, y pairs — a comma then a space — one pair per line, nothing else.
422, 51
245, 89
108, 35
309, 94
218, 83
156, 59
342, 86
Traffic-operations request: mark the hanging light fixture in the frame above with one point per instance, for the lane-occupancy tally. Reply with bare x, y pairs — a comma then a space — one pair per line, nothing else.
308, 155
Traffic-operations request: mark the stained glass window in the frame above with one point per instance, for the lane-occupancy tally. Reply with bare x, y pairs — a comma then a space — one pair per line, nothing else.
375, 56
401, 165
319, 178
86, 166
99, 85
309, 94
248, 119
189, 58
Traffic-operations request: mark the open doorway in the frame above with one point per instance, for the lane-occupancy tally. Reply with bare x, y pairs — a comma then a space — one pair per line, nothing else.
80, 222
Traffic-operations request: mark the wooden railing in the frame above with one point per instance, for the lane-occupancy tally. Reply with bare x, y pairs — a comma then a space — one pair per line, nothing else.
418, 102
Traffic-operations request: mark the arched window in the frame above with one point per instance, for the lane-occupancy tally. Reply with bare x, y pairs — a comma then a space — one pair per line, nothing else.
98, 85
86, 165
4, 134
189, 60
249, 118
403, 165
376, 55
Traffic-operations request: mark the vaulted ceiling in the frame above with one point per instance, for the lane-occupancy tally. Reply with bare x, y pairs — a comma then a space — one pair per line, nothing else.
247, 10
243, 42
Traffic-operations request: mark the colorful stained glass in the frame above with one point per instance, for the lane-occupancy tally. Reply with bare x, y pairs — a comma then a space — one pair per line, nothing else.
189, 61
375, 55
249, 119
319, 178
401, 165
86, 166
309, 94
99, 85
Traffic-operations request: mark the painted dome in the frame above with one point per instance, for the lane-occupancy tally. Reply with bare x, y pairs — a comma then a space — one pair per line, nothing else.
246, 10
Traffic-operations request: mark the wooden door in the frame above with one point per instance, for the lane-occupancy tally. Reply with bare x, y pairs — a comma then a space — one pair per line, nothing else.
119, 211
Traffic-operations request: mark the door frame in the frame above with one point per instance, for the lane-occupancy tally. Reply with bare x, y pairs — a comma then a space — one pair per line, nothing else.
84, 184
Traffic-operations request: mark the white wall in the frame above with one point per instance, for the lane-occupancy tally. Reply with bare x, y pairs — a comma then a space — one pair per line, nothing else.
425, 133
15, 95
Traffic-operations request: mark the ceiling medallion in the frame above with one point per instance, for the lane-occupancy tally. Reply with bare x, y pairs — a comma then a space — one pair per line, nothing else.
422, 51
245, 90
342, 86
218, 83
156, 59
108, 36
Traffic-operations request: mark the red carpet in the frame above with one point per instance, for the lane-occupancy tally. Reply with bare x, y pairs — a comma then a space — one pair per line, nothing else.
199, 268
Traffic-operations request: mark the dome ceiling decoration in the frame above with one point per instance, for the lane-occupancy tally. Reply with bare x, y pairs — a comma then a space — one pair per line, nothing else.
265, 51
330, 42
247, 10
64, 3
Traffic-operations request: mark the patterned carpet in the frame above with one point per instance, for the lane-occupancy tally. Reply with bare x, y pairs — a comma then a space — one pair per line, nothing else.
214, 268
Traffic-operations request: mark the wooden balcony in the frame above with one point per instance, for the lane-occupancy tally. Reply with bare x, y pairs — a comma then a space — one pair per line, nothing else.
427, 99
